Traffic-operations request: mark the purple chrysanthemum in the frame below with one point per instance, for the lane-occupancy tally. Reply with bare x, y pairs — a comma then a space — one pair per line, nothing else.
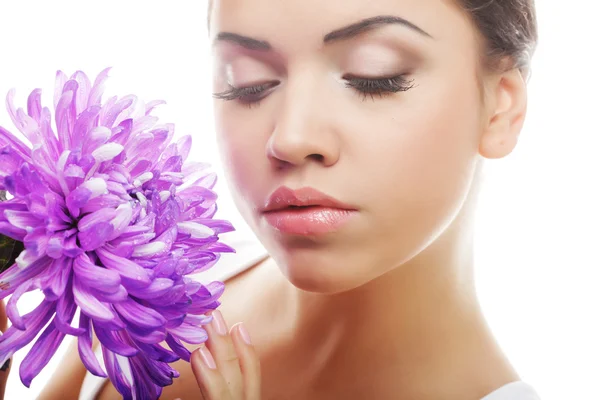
113, 223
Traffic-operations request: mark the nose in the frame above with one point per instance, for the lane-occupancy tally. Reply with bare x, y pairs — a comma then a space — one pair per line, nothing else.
303, 131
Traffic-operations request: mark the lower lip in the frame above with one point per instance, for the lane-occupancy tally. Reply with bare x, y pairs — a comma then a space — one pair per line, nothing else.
308, 221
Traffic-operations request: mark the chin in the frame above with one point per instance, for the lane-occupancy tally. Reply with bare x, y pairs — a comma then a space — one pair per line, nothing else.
317, 283
320, 270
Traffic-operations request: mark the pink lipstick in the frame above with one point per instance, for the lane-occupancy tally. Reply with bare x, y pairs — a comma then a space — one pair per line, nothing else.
306, 212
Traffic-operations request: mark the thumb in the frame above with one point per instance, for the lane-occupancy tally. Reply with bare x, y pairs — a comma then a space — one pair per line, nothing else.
4, 369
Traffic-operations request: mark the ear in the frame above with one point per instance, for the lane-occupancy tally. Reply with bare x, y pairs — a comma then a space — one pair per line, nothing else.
507, 106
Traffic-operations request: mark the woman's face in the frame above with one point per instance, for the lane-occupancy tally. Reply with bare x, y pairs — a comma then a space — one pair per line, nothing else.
384, 117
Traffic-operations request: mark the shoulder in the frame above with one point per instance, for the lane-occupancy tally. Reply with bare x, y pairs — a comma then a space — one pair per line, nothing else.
251, 291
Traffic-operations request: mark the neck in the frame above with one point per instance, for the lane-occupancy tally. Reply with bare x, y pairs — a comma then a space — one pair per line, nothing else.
421, 322
428, 295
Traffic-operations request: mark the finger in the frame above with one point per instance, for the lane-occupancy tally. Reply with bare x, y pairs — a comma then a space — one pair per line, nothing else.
221, 347
4, 369
210, 381
3, 317
249, 361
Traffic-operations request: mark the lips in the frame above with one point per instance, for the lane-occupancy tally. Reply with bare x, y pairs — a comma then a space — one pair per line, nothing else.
285, 197
306, 212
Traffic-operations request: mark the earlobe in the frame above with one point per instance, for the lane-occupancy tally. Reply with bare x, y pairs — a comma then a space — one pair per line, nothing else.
508, 106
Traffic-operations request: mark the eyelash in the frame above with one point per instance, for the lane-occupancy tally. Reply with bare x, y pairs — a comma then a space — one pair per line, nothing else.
380, 87
366, 87
247, 95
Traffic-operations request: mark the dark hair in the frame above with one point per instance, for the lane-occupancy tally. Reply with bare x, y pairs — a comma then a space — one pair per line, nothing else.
508, 27
509, 31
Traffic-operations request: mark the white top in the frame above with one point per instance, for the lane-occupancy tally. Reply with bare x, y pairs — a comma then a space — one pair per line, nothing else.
248, 252
513, 391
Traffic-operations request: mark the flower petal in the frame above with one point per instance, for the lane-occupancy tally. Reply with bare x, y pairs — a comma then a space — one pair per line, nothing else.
59, 273
65, 310
94, 276
17, 275
137, 314
84, 346
8, 229
83, 125
178, 348
113, 341
140, 167
83, 92
12, 311
84, 193
147, 336
71, 248
123, 216
161, 374
158, 353
40, 354
158, 288
13, 339
196, 230
22, 219
119, 373
15, 144
107, 152
174, 295
120, 295
95, 237
89, 305
149, 249
184, 145
132, 274
98, 88
64, 115
189, 333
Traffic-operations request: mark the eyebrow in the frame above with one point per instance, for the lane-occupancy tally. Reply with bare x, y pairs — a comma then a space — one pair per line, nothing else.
243, 41
345, 33
368, 24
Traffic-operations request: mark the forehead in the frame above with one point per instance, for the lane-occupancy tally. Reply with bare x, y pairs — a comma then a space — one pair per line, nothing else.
306, 22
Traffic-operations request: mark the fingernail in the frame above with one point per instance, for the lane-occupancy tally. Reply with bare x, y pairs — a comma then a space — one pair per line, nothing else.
244, 334
207, 358
219, 323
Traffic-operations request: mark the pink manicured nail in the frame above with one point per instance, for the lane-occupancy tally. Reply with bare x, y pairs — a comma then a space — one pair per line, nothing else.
208, 359
244, 334
219, 323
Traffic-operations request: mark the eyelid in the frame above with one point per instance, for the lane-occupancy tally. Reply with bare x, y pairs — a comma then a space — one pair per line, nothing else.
240, 70
348, 77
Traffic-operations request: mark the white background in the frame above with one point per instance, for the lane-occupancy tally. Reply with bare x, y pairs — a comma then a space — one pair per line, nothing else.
537, 244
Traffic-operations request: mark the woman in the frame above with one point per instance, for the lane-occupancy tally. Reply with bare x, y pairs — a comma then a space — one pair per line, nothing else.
367, 124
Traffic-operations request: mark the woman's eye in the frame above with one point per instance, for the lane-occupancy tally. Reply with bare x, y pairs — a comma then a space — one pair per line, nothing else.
251, 95
379, 86
246, 95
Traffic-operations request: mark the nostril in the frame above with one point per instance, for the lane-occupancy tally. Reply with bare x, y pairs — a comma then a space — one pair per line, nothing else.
317, 157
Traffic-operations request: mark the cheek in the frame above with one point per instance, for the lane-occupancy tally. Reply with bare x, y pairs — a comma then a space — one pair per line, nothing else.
242, 142
418, 169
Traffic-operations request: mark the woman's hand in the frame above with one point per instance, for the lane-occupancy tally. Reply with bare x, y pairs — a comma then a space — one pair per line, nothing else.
227, 368
5, 369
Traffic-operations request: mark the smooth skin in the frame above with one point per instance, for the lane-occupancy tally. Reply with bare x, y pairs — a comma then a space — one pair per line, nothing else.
228, 367
386, 307
3, 326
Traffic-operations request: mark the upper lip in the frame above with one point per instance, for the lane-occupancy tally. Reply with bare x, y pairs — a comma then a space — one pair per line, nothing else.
285, 197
